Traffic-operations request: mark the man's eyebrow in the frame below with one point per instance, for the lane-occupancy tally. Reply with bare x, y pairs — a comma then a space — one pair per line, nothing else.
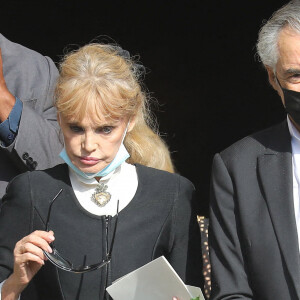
292, 71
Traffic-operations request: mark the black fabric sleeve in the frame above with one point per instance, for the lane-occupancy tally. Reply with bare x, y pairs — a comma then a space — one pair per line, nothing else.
229, 278
185, 255
15, 221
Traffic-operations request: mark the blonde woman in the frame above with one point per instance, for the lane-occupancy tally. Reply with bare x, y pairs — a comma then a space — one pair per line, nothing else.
115, 204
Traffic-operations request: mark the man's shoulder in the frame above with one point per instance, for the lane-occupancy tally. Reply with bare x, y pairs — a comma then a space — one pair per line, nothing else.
275, 138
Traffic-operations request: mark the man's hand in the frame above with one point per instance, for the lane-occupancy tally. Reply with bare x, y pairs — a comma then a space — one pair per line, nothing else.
7, 100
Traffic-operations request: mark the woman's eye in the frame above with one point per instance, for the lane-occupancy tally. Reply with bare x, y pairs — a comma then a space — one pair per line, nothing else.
76, 129
105, 129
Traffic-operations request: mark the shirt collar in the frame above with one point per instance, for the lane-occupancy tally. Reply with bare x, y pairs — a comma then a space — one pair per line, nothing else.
295, 135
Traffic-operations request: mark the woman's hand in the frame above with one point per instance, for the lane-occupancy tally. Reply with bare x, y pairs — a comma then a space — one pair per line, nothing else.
28, 259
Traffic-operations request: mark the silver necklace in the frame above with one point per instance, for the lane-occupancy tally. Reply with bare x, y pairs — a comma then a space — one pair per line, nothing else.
101, 197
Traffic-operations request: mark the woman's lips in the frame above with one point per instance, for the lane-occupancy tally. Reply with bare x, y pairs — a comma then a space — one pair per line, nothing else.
89, 160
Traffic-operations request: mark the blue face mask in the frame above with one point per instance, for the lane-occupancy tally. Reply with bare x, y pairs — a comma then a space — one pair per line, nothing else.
120, 157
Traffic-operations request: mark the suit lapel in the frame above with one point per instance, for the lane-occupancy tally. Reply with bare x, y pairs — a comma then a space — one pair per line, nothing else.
275, 171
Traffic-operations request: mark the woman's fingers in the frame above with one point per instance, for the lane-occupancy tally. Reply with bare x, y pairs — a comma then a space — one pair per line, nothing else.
30, 248
29, 257
39, 238
34, 243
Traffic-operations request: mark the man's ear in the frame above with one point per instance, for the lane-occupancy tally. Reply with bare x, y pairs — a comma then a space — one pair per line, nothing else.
274, 82
272, 78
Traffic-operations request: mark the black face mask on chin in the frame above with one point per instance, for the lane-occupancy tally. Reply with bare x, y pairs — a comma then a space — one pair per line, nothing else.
292, 103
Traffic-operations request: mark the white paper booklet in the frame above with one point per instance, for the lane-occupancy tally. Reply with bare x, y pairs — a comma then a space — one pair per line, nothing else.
156, 280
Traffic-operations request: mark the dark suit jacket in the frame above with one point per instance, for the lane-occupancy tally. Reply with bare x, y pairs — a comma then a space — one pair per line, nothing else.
31, 77
253, 235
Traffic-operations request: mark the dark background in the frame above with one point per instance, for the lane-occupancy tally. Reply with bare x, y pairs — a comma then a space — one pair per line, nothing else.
200, 56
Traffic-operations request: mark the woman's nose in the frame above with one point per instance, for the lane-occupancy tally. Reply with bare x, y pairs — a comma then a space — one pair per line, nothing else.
89, 143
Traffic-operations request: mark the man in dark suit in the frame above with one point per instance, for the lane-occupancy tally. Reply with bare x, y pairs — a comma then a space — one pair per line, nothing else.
254, 209
28, 128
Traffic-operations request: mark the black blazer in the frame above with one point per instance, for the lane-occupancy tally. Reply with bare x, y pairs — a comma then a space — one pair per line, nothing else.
160, 220
253, 234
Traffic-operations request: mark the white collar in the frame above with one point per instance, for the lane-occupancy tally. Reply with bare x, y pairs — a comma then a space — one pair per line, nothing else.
295, 135
122, 185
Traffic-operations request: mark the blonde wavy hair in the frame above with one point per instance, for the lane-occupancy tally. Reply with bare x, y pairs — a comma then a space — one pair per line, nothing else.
99, 80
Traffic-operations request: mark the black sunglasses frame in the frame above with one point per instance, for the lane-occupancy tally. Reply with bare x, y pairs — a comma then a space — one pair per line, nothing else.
56, 259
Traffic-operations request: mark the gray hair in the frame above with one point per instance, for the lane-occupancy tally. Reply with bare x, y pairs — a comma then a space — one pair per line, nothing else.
267, 47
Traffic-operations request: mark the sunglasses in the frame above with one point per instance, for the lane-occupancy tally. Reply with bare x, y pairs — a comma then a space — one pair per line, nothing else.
59, 261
